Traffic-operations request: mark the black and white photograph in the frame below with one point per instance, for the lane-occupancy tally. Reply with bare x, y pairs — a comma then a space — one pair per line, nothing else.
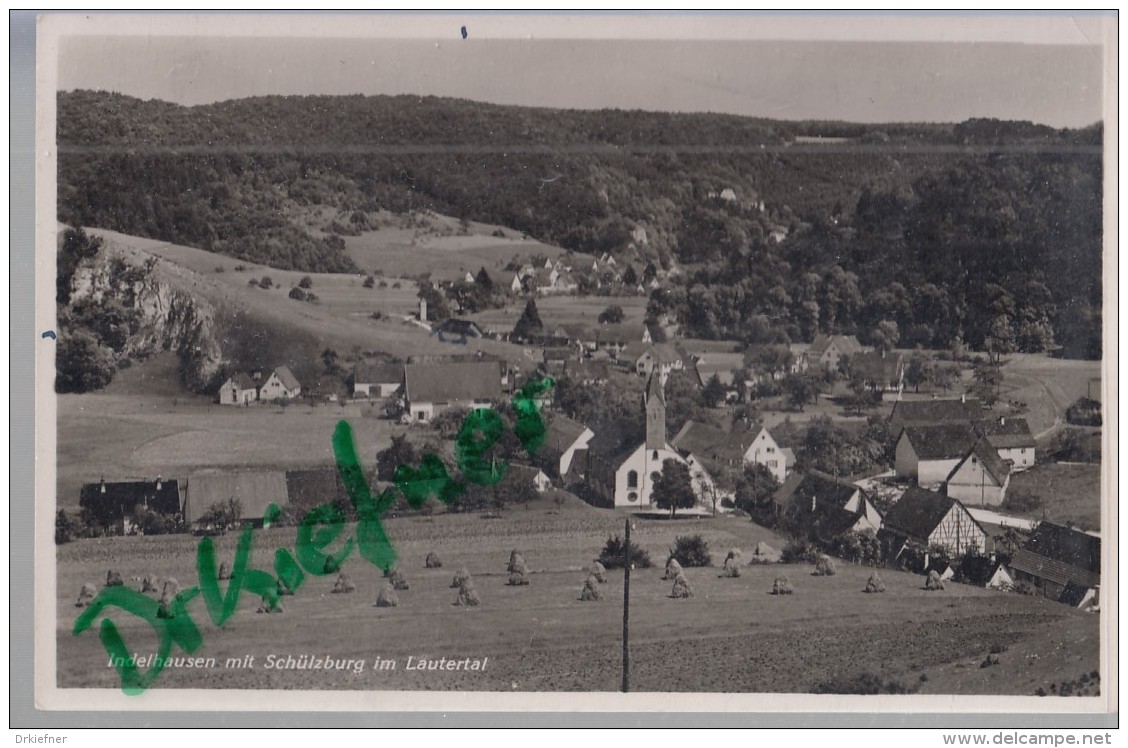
672, 361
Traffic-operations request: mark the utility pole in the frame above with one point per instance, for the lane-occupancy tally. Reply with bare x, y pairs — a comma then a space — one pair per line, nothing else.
626, 606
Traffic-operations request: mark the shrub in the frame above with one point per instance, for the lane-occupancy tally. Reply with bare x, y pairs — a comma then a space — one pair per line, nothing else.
221, 515
866, 684
68, 527
369, 282
305, 282
799, 552
383, 284
612, 555
266, 282
297, 294
691, 551
433, 561
240, 268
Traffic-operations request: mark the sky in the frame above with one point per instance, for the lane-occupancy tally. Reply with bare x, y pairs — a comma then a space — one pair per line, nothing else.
936, 68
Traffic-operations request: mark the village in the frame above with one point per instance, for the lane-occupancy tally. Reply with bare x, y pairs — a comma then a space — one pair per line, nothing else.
935, 501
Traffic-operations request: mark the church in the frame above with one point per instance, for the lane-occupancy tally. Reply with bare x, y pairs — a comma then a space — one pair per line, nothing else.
623, 474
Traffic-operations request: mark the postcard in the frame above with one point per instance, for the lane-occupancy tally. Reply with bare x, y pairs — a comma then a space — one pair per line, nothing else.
578, 362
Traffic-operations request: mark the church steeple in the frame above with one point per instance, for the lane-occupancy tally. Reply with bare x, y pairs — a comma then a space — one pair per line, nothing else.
654, 403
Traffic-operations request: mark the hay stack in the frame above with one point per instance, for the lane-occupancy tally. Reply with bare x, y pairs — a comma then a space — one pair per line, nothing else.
824, 566
85, 595
673, 569
264, 607
343, 585
433, 561
591, 591
149, 584
732, 567
681, 588
934, 581
518, 580
765, 554
224, 570
874, 583
169, 593
735, 554
599, 572
781, 585
113, 579
517, 564
387, 597
460, 577
284, 589
398, 580
467, 595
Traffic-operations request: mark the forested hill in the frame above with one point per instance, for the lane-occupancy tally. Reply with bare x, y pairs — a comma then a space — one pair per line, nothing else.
745, 202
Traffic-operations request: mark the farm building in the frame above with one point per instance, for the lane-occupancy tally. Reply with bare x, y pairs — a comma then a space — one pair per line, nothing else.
1011, 438
928, 454
239, 389
821, 506
114, 503
659, 357
615, 338
254, 490
376, 379
457, 331
1064, 564
307, 489
1001, 579
825, 351
280, 385
623, 475
980, 478
724, 366
880, 372
962, 410
928, 519
587, 370
432, 388
563, 437
746, 444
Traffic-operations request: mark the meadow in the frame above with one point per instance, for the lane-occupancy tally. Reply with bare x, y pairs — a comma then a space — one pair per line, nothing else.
732, 636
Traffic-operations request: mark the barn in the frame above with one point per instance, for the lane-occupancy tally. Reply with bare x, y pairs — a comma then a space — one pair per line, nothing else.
239, 389
254, 490
928, 519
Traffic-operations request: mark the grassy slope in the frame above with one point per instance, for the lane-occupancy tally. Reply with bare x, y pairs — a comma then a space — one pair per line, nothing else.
732, 636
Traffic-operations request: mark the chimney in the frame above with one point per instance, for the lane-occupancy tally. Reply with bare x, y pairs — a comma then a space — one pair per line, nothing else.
422, 310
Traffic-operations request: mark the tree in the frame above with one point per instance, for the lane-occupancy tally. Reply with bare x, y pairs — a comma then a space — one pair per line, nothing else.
437, 307
401, 452
917, 371
612, 315
530, 325
673, 488
483, 281
885, 335
1000, 338
713, 392
330, 358
630, 277
369, 282
82, 364
305, 282
800, 390
297, 294
754, 489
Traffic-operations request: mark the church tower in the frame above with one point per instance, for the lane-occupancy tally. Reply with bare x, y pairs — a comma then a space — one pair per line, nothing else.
654, 402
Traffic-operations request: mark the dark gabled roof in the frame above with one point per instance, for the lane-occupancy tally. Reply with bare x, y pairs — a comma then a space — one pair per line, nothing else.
255, 490
723, 365
953, 410
917, 513
460, 327
946, 441
586, 368
698, 439
560, 434
123, 496
243, 381
449, 382
377, 373
989, 458
579, 332
289, 381
655, 388
662, 353
1062, 543
614, 438
875, 367
824, 489
783, 495
1049, 569
307, 489
558, 353
847, 344
1006, 433
620, 334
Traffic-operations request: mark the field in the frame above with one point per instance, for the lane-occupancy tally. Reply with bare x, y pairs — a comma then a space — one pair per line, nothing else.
564, 310
1048, 386
733, 636
1069, 493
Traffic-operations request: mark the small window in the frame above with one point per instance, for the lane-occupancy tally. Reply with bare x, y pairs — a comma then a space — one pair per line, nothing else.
773, 463
654, 456
632, 479
422, 416
632, 496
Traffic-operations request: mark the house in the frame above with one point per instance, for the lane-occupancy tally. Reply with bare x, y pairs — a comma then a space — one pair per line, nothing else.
825, 351
928, 454
725, 367
457, 331
431, 388
254, 490
659, 357
744, 445
1064, 564
1001, 579
928, 519
587, 371
581, 336
615, 338
239, 389
1011, 438
980, 478
962, 410
822, 507
879, 371
624, 474
280, 385
523, 477
115, 502
563, 437
376, 379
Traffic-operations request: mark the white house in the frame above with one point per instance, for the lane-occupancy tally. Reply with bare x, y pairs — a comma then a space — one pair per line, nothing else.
927, 518
1012, 439
280, 385
563, 438
239, 389
661, 358
377, 379
432, 388
981, 477
928, 454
